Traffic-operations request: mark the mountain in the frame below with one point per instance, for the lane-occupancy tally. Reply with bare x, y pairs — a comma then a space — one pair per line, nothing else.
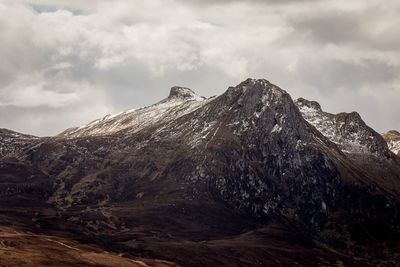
247, 178
393, 139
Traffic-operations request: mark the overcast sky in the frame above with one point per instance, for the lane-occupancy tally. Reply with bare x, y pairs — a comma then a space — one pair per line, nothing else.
65, 62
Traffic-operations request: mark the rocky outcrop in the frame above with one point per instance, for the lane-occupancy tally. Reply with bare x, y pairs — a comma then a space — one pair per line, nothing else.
184, 93
393, 140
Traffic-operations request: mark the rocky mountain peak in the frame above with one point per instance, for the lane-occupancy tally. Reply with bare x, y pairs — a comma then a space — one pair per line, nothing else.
250, 82
351, 116
394, 133
251, 85
183, 93
347, 130
392, 138
301, 102
254, 94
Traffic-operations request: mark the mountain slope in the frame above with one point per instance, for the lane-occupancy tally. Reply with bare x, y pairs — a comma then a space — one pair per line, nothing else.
195, 181
11, 141
23, 248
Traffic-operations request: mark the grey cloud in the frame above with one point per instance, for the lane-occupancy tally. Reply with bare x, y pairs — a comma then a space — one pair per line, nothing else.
335, 27
371, 27
53, 8
327, 75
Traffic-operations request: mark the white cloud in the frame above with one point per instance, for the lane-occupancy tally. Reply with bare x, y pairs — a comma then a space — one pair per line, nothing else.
71, 55
38, 91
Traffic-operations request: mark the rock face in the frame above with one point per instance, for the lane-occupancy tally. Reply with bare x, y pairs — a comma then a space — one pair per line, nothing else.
393, 140
270, 150
250, 172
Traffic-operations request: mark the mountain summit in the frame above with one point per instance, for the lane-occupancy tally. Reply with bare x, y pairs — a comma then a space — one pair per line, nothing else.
184, 93
249, 176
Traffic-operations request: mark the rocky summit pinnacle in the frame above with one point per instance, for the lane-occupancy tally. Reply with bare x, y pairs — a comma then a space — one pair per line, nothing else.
301, 102
183, 93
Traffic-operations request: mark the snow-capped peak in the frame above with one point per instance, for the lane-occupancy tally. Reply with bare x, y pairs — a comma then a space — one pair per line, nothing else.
180, 101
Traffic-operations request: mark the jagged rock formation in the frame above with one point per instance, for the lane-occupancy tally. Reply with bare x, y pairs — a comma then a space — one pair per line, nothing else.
178, 179
347, 130
393, 139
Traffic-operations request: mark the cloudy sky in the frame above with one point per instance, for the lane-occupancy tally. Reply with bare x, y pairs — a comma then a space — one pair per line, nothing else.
67, 62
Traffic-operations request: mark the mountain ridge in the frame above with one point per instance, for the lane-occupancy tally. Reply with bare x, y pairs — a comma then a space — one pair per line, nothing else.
178, 179
348, 130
